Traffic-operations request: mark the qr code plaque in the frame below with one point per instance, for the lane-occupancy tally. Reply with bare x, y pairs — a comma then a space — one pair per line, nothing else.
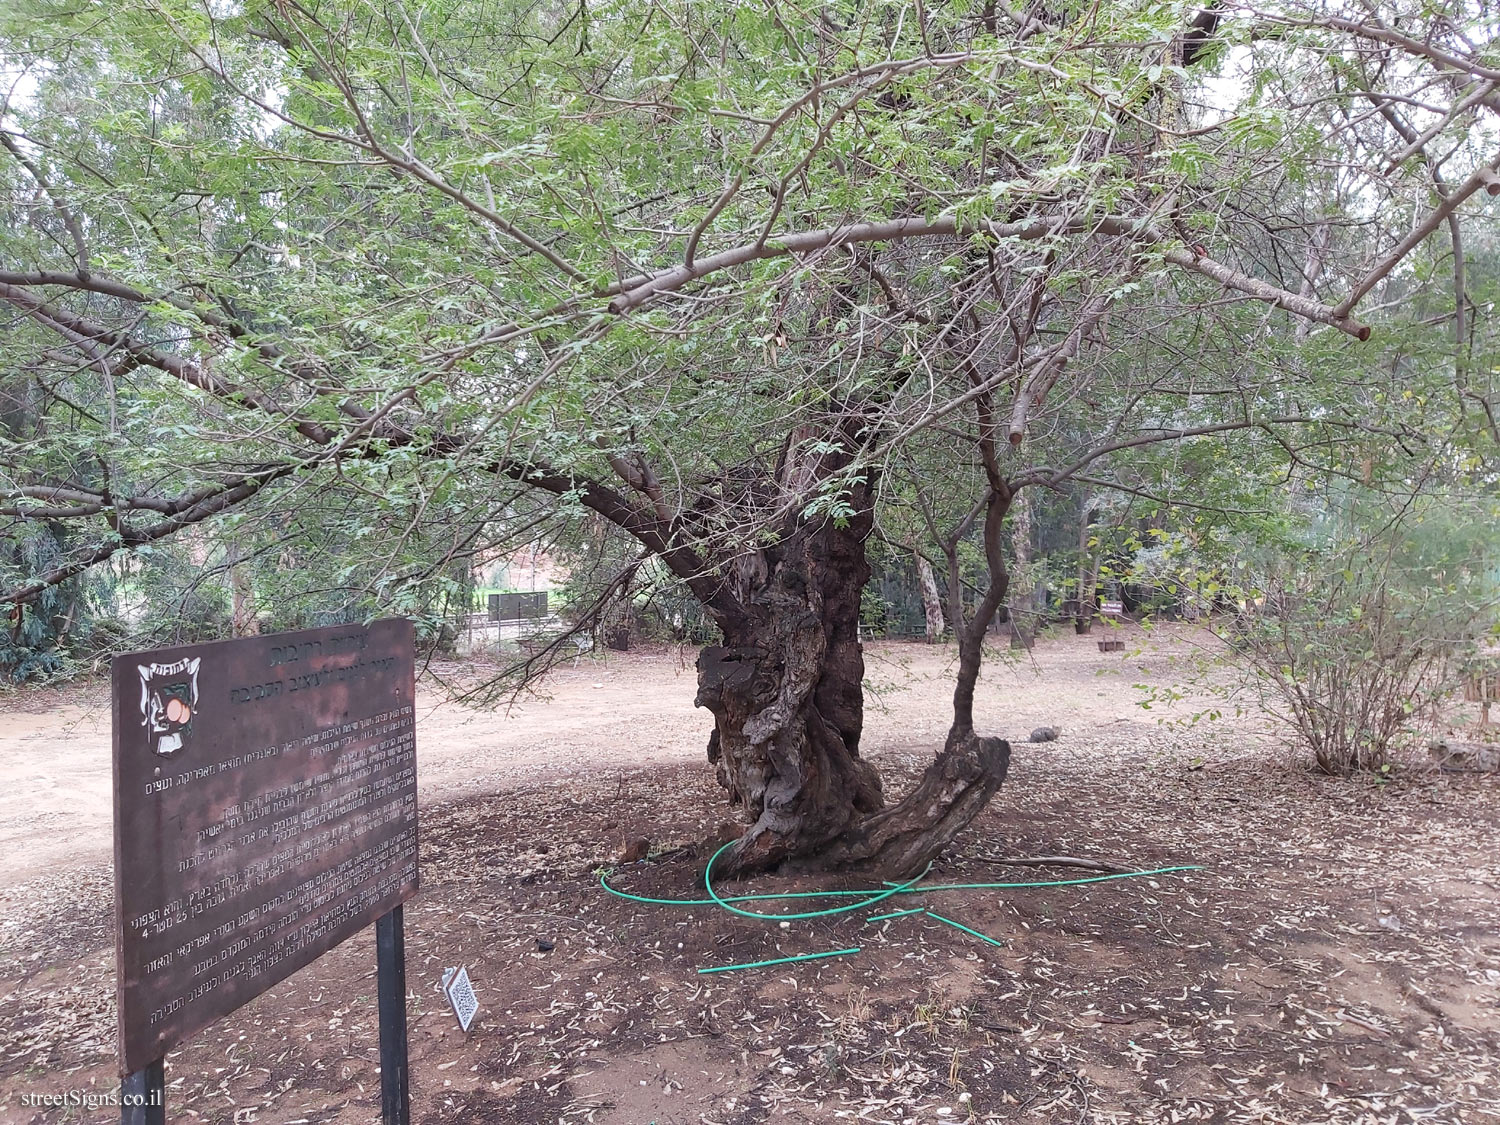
460, 993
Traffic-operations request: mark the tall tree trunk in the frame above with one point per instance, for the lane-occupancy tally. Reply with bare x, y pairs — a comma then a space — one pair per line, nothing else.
932, 600
242, 619
1022, 607
786, 693
1088, 573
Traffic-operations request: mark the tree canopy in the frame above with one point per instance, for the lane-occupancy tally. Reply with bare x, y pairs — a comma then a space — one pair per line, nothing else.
412, 281
268, 252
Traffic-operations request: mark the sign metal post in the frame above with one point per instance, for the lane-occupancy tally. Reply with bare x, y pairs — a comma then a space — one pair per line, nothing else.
143, 1096
390, 987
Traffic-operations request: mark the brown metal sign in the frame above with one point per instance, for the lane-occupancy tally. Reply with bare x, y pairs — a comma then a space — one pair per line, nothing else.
265, 810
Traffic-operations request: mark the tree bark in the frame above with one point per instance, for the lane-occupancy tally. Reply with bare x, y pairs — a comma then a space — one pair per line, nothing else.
786, 693
242, 620
932, 600
1023, 606
785, 690
1088, 573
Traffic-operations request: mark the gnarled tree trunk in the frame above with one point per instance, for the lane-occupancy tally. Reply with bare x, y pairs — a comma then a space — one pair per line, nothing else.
785, 690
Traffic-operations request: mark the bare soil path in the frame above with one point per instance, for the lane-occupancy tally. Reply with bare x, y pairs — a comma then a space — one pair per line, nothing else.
1336, 960
607, 711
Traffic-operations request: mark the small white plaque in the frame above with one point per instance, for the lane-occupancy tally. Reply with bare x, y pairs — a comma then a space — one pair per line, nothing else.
460, 993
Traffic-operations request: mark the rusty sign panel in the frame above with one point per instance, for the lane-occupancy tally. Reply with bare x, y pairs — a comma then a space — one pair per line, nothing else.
265, 810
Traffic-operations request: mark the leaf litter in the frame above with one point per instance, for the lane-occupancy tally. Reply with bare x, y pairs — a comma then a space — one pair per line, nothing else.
1338, 961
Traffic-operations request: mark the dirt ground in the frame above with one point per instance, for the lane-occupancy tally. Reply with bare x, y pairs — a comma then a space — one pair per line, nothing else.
1336, 958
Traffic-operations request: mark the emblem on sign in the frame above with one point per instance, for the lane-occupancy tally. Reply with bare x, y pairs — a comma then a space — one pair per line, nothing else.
169, 698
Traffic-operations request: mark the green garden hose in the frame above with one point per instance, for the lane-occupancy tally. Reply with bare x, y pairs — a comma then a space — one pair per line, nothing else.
866, 899
869, 900
896, 914
869, 897
965, 929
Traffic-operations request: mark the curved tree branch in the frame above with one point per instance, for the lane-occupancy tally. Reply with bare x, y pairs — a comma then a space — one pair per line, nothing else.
194, 508
64, 212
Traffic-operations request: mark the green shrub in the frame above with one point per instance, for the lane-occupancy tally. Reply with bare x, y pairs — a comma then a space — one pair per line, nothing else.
1356, 641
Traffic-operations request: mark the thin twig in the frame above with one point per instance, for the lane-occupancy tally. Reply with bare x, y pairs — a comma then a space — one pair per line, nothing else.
1056, 861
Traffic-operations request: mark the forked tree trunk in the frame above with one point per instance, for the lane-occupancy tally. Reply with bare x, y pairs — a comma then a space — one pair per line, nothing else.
787, 698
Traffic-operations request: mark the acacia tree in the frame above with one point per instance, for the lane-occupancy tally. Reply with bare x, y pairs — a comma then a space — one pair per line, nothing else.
720, 279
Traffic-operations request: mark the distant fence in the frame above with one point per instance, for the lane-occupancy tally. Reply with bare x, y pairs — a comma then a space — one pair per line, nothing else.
517, 607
